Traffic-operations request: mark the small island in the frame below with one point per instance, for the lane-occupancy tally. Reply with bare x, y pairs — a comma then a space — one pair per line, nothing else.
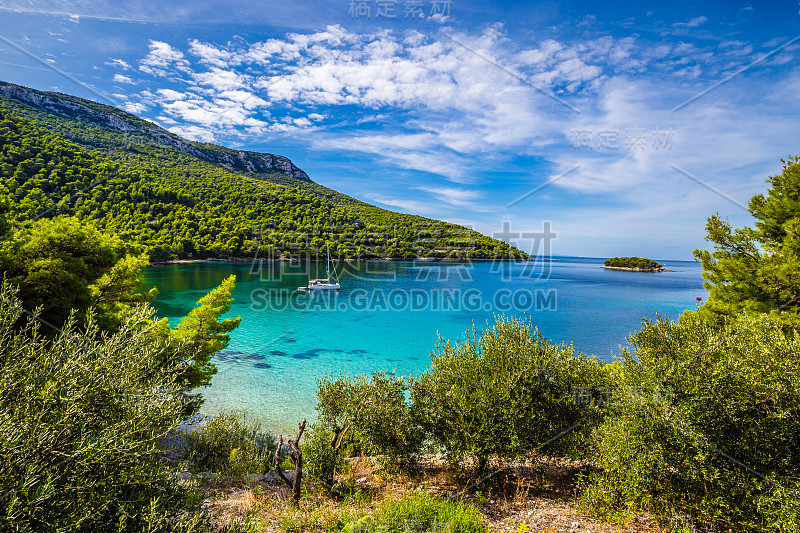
634, 264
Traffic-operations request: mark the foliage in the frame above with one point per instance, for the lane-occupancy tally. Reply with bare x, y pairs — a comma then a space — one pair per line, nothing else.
81, 418
632, 262
116, 292
201, 333
55, 262
173, 198
321, 459
5, 210
424, 513
705, 424
505, 392
64, 265
757, 270
227, 444
371, 415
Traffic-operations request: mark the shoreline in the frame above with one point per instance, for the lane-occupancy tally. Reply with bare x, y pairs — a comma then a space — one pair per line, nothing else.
317, 260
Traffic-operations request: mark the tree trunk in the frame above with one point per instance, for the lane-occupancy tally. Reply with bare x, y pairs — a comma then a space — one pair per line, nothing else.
297, 459
483, 462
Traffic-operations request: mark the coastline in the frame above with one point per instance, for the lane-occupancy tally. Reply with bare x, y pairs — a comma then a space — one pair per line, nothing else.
317, 260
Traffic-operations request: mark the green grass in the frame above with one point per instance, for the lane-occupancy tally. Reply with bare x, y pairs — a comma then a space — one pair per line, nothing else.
422, 513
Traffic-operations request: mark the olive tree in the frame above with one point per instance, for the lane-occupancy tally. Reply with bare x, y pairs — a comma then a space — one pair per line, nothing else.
503, 392
82, 416
369, 415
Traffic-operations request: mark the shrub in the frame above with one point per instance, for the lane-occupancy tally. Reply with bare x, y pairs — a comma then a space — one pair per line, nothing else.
228, 444
320, 458
372, 416
706, 425
81, 418
505, 392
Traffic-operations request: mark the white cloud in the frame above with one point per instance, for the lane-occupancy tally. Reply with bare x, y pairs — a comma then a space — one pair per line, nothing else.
161, 57
169, 94
194, 133
419, 152
119, 78
246, 98
453, 112
692, 23
409, 206
124, 65
210, 54
135, 108
458, 197
452, 195
697, 21
220, 79
410, 71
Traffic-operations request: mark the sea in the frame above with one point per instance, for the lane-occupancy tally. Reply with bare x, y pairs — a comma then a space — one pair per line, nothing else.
389, 315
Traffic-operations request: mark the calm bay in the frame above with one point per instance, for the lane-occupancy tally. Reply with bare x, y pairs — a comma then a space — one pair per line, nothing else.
388, 314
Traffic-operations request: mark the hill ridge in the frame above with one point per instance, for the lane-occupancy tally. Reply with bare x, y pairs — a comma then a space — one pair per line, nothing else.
120, 120
180, 199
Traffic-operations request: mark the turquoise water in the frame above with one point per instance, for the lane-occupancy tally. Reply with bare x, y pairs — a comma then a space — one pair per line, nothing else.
388, 314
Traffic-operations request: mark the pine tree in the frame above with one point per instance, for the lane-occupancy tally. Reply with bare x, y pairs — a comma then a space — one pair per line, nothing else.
757, 270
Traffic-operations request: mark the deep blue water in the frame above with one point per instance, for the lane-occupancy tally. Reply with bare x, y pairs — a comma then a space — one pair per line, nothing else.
388, 314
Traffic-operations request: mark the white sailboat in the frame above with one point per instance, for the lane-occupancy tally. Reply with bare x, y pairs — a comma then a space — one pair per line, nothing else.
325, 284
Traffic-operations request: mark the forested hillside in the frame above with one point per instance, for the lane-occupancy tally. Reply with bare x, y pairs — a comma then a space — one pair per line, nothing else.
175, 198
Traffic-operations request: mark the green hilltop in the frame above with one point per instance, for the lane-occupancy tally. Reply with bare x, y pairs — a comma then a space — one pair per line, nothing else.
179, 199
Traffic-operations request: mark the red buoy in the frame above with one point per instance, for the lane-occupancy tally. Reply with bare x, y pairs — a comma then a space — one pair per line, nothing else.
699, 298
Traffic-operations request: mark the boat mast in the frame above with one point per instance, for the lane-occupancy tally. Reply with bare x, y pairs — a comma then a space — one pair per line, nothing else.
328, 263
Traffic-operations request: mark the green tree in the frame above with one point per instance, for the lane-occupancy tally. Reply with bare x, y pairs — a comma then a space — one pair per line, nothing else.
705, 424
82, 416
164, 201
67, 266
201, 333
64, 264
369, 415
321, 456
115, 293
5, 209
53, 262
632, 262
505, 392
757, 270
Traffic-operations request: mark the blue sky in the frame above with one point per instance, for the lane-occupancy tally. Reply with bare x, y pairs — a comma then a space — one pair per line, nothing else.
625, 126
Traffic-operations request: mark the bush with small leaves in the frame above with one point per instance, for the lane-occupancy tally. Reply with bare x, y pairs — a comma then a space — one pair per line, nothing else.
82, 417
705, 424
321, 460
371, 416
505, 392
228, 444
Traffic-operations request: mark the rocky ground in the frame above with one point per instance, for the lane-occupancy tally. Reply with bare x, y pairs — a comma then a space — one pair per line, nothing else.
519, 498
